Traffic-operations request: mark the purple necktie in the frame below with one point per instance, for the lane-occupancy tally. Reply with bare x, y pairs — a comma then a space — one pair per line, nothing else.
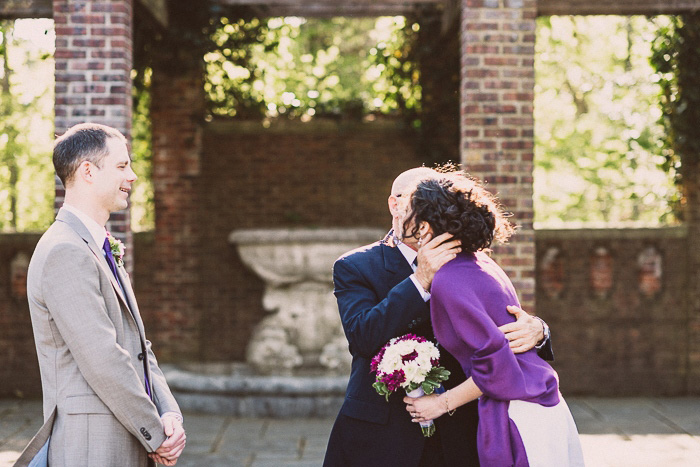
110, 258
113, 266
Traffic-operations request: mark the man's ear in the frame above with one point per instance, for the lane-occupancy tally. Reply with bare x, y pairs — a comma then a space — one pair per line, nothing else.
393, 205
84, 171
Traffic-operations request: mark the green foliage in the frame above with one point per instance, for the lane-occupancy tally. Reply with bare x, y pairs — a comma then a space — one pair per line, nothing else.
141, 198
382, 390
596, 106
433, 380
676, 57
26, 125
304, 67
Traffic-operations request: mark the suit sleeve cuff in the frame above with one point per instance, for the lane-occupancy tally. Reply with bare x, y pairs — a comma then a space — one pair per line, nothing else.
423, 293
547, 334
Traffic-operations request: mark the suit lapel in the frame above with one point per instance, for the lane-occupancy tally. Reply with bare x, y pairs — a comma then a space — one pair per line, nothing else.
80, 229
126, 283
395, 263
130, 296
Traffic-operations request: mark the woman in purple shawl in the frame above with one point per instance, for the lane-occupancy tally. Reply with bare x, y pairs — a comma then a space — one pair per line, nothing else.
523, 420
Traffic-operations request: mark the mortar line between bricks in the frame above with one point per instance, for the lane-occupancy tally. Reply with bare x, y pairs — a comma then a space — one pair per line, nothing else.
220, 435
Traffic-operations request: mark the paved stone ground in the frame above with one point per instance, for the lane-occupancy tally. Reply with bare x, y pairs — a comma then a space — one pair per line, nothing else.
644, 432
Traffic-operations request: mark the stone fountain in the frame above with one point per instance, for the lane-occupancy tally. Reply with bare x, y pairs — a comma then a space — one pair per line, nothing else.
302, 333
297, 362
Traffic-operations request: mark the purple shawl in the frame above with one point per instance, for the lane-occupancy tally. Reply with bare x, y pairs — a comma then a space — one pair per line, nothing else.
468, 303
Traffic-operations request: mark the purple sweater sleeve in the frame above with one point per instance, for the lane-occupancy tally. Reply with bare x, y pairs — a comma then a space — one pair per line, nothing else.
467, 306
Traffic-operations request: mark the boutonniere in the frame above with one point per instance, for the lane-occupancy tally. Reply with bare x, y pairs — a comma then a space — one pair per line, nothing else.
117, 248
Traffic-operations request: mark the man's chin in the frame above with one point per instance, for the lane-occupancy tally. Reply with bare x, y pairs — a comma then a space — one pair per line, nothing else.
120, 206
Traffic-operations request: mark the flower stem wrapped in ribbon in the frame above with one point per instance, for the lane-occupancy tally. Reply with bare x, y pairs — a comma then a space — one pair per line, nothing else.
410, 362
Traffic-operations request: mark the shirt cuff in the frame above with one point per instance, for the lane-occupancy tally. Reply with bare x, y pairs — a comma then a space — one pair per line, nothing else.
547, 333
178, 416
421, 290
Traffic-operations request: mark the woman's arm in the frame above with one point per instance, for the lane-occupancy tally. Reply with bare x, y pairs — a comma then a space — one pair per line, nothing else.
435, 405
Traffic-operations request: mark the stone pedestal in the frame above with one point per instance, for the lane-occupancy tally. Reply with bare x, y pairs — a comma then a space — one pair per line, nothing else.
302, 333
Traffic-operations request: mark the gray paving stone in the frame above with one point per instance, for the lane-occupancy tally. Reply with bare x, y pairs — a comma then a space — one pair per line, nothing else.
639, 432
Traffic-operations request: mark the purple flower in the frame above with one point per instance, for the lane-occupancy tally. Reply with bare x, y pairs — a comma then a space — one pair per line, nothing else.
377, 360
409, 357
393, 381
409, 337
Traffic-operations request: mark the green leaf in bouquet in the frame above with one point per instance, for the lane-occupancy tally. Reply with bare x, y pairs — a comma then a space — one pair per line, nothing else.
427, 387
382, 389
439, 374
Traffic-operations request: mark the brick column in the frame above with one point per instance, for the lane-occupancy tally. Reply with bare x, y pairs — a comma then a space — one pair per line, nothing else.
498, 75
177, 113
93, 76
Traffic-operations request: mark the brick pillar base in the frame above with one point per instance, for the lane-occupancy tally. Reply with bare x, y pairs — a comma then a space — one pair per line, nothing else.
497, 122
93, 76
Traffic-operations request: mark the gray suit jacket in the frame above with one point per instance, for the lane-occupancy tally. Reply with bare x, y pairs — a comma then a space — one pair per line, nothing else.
93, 355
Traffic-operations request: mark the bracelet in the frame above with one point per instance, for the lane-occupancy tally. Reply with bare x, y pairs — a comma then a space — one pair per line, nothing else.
447, 405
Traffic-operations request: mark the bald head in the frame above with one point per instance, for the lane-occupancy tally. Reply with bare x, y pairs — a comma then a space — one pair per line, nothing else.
410, 178
404, 184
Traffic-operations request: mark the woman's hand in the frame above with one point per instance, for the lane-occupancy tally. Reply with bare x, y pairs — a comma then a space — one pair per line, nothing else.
425, 408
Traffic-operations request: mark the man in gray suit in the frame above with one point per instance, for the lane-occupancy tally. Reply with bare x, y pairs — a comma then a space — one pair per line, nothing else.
106, 402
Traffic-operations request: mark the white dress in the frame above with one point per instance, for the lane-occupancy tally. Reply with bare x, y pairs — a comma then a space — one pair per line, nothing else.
549, 434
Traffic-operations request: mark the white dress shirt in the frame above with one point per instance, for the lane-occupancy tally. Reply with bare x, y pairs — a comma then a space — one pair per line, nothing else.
97, 231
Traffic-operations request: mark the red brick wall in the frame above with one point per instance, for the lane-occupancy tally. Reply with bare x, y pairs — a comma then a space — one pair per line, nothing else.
177, 114
618, 329
498, 78
19, 367
691, 192
323, 174
93, 75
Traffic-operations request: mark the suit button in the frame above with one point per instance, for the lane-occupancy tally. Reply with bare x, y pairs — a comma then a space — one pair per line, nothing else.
410, 326
145, 434
141, 356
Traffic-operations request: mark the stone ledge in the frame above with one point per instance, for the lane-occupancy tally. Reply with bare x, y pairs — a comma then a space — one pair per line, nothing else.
335, 235
245, 395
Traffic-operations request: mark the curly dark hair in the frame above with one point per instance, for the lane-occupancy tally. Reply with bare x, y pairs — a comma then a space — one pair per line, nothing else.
461, 206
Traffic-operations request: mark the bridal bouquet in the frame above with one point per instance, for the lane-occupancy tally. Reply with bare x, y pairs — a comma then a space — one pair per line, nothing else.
412, 363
